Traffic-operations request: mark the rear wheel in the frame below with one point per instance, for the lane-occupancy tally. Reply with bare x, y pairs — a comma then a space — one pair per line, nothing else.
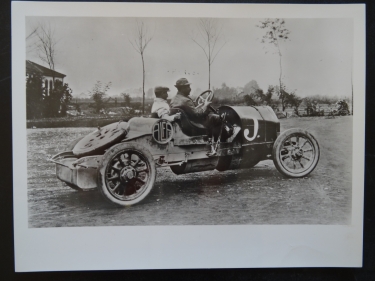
296, 153
126, 174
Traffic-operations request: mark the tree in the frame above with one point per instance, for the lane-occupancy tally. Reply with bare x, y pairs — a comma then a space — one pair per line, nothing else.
98, 95
293, 101
249, 100
251, 87
126, 99
34, 96
46, 44
56, 103
140, 42
265, 97
224, 92
283, 97
210, 34
276, 32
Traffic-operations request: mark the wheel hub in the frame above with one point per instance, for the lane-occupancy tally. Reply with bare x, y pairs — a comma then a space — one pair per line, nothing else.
297, 153
127, 173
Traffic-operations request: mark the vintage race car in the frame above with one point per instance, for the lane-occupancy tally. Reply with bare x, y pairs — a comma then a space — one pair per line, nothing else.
121, 159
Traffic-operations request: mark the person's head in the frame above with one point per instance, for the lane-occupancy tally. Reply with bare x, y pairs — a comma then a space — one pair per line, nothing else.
183, 86
161, 92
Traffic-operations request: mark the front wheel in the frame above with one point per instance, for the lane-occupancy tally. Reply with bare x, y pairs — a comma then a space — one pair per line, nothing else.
296, 153
126, 174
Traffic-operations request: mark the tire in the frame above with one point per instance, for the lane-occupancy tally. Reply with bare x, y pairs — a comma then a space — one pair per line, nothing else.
125, 179
71, 145
224, 163
293, 157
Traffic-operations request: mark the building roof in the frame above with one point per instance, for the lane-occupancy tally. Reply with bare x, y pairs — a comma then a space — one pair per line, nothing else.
32, 67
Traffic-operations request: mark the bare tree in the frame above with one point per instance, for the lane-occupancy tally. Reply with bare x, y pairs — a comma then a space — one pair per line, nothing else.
276, 32
46, 44
209, 35
31, 46
139, 42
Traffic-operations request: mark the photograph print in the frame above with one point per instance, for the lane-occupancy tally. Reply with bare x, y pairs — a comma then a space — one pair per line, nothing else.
227, 125
188, 121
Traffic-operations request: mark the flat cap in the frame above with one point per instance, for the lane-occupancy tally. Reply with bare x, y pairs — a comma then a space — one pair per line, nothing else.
159, 89
182, 82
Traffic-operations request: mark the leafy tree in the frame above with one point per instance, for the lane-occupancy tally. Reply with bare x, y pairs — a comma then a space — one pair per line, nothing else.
283, 97
34, 96
224, 92
98, 95
276, 32
293, 101
249, 100
265, 98
78, 107
58, 99
126, 99
251, 87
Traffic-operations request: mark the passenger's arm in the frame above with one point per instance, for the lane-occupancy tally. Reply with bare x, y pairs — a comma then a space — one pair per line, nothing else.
162, 112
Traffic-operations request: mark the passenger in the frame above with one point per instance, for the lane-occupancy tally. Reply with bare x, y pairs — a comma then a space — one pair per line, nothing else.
202, 115
160, 106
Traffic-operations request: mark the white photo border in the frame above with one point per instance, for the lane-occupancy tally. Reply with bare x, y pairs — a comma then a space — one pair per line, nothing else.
172, 247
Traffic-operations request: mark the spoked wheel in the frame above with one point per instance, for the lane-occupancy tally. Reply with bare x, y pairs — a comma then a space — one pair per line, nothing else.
126, 174
296, 153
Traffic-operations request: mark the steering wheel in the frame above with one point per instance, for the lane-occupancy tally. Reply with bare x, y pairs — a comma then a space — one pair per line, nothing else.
201, 99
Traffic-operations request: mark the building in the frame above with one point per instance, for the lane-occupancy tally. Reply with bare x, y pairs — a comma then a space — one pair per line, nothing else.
49, 75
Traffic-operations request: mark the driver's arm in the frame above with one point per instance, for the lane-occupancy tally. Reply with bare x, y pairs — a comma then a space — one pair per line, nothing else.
192, 111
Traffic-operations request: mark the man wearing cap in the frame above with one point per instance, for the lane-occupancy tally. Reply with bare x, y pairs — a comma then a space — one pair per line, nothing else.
200, 115
160, 106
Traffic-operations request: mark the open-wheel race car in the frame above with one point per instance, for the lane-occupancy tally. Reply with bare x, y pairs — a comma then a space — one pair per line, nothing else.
121, 159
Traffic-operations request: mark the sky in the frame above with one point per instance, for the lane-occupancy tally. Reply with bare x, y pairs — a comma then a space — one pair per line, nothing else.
316, 60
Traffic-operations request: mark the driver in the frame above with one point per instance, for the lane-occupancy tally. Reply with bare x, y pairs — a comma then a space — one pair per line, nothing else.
200, 115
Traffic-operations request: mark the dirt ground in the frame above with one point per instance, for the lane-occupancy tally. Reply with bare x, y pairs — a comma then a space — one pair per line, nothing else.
260, 195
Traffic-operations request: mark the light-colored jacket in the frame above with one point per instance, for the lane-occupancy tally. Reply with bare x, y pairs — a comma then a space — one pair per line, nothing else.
161, 107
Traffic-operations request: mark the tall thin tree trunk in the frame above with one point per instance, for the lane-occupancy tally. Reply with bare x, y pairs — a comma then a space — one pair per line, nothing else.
280, 77
209, 76
143, 85
352, 96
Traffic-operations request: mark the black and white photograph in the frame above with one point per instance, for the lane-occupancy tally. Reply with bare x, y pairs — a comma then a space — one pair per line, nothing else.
194, 130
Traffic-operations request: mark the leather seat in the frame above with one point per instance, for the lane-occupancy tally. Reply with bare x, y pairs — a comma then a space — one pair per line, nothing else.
187, 126
154, 115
